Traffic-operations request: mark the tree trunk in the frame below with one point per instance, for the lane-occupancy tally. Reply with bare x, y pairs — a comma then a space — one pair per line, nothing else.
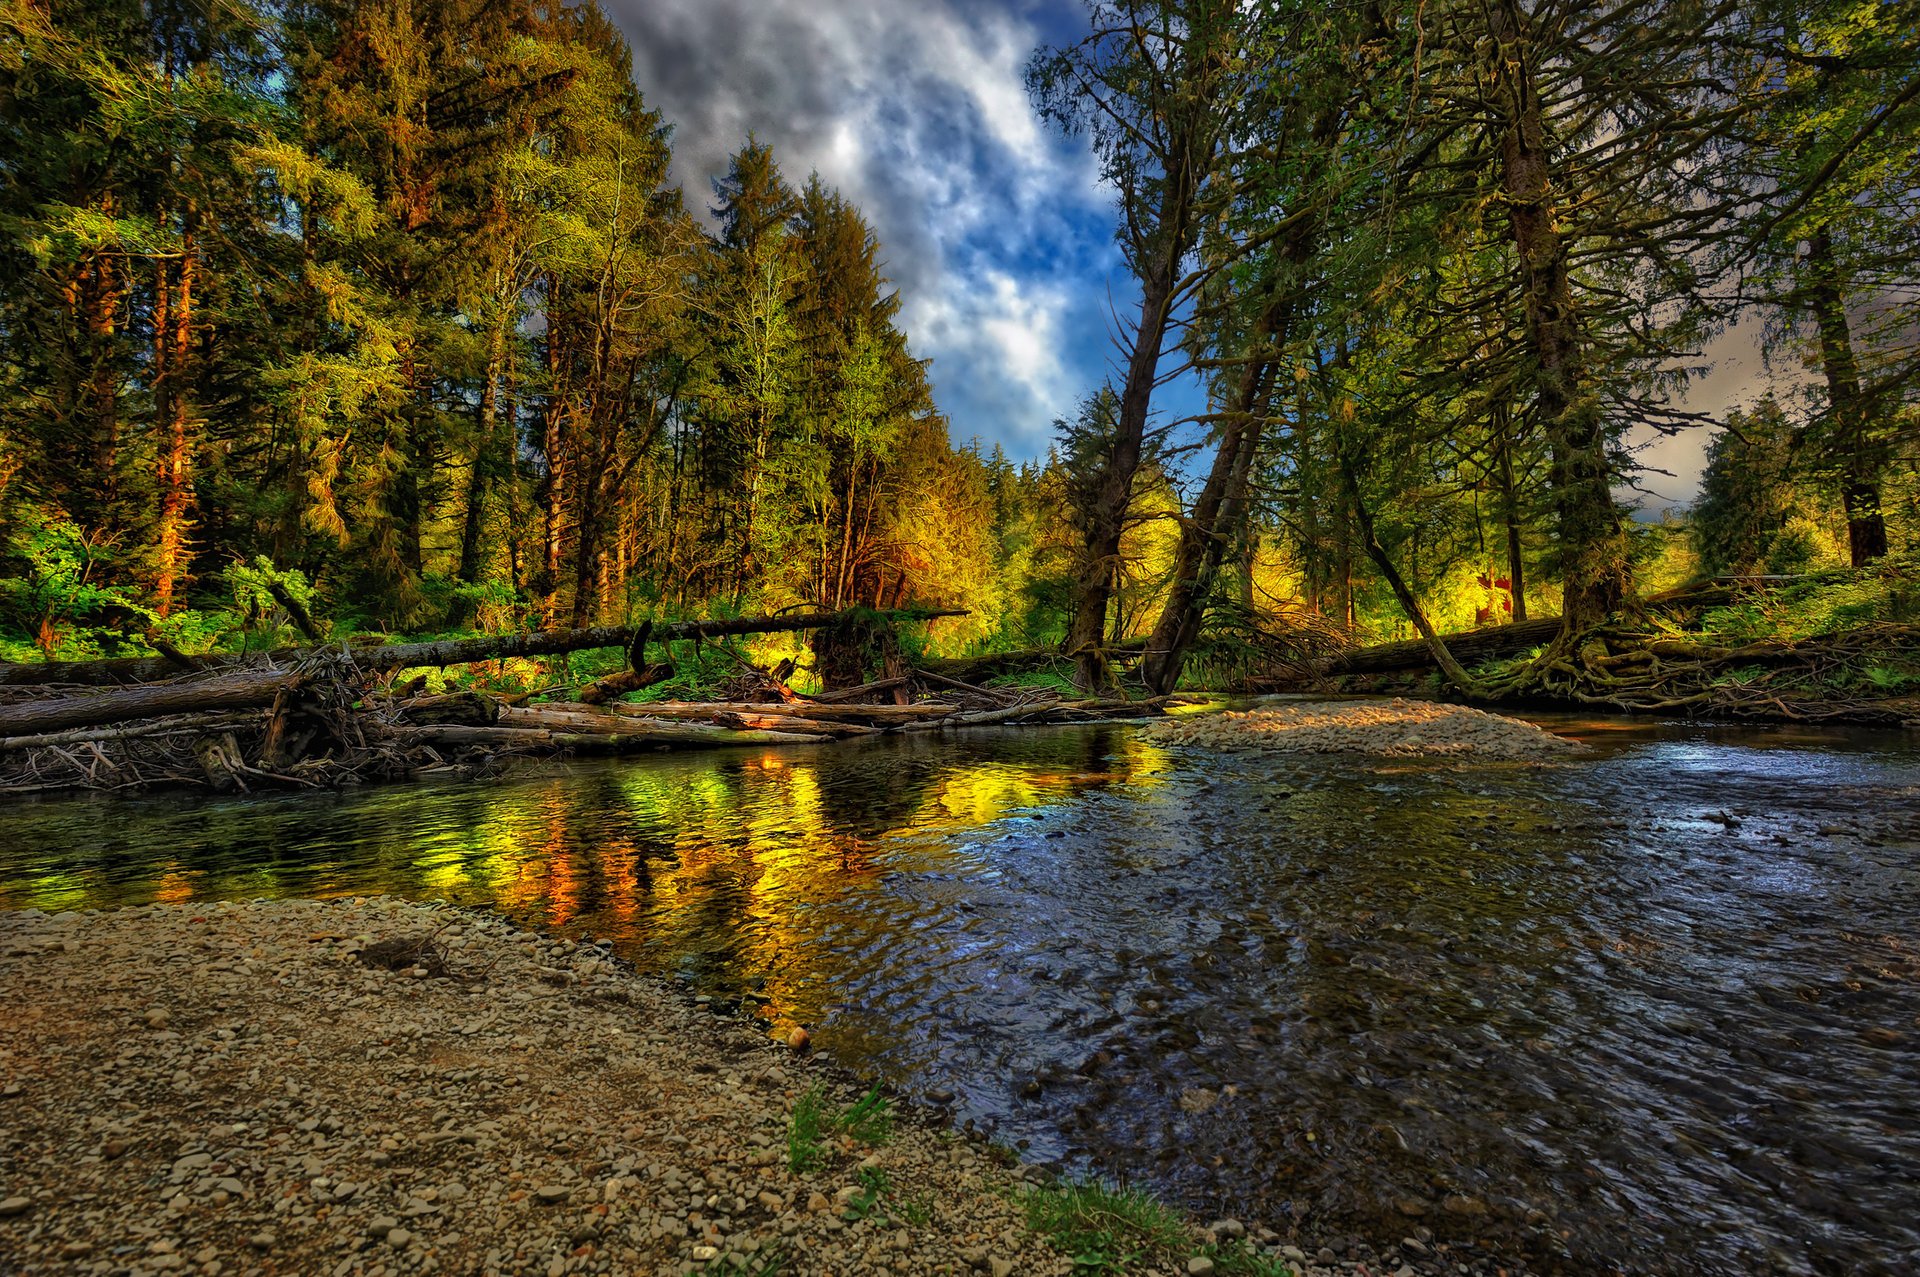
553, 445
1595, 569
486, 469
173, 353
1848, 425
100, 302
1106, 515
1218, 512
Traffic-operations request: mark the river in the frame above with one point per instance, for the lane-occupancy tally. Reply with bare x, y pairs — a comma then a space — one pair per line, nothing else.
1655, 1009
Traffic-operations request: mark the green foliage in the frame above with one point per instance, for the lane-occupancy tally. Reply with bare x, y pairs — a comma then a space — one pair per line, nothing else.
874, 1184
1888, 681
1049, 679
815, 1120
1105, 1230
1757, 511
807, 1130
878, 1198
53, 591
1822, 604
870, 1120
770, 1262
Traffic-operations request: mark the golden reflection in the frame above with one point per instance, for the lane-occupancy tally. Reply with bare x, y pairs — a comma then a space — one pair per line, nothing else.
173, 887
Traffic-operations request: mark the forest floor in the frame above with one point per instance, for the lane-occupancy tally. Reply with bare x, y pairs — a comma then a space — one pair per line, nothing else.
1394, 728
374, 1086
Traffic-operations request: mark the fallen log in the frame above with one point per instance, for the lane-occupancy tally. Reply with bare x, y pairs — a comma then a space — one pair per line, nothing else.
789, 723
973, 669
562, 716
251, 689
472, 709
794, 709
131, 731
144, 669
850, 694
1469, 647
634, 737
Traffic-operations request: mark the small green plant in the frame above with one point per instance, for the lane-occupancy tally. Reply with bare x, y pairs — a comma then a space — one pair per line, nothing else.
877, 1196
870, 1120
1886, 679
874, 1185
916, 1210
1104, 1230
815, 1121
768, 1263
1241, 1259
807, 1130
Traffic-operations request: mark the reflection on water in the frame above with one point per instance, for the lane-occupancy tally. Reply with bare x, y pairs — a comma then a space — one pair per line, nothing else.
1655, 1009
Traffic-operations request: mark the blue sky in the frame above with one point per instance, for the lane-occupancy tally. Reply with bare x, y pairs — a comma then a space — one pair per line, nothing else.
997, 230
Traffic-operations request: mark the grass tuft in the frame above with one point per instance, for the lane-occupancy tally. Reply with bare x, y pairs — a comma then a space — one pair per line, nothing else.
815, 1121
1105, 1230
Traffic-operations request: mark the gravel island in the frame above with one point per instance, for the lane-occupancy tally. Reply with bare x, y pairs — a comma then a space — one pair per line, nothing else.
1398, 728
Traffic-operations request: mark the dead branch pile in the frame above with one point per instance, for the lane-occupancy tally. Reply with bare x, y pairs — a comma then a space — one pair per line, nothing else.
328, 720
1855, 676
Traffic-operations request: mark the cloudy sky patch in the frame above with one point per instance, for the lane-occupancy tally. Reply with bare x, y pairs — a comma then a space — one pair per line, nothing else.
995, 228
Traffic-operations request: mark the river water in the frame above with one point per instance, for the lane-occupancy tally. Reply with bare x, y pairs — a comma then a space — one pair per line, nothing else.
1655, 1009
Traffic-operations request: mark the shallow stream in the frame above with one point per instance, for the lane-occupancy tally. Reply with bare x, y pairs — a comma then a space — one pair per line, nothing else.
1657, 1008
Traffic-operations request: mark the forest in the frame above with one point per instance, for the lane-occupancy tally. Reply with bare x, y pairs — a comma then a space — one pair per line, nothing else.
382, 317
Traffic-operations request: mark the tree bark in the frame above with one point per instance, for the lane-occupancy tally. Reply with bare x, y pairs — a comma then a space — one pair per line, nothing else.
1218, 514
1595, 568
1472, 645
487, 468
1848, 426
173, 353
1510, 510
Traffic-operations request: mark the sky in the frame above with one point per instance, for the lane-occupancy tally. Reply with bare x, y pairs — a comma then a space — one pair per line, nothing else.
996, 229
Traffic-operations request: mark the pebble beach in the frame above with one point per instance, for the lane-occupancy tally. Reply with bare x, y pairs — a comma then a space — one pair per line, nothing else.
304, 1087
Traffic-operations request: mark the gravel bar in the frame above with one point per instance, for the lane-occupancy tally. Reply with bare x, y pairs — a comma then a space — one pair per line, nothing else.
374, 1086
1398, 728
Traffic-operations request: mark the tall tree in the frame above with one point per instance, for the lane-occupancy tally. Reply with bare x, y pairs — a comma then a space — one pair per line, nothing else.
1152, 85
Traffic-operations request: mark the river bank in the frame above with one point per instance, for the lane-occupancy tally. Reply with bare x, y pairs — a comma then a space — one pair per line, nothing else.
280, 1087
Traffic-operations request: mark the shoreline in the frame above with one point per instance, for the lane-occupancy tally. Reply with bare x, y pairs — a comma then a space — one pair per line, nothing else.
232, 1087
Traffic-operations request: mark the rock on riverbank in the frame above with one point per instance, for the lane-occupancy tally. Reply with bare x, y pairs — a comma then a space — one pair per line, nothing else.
1394, 729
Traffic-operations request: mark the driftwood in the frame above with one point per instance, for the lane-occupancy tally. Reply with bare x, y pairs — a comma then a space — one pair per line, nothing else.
634, 736
246, 690
147, 669
196, 723
795, 709
329, 721
860, 693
